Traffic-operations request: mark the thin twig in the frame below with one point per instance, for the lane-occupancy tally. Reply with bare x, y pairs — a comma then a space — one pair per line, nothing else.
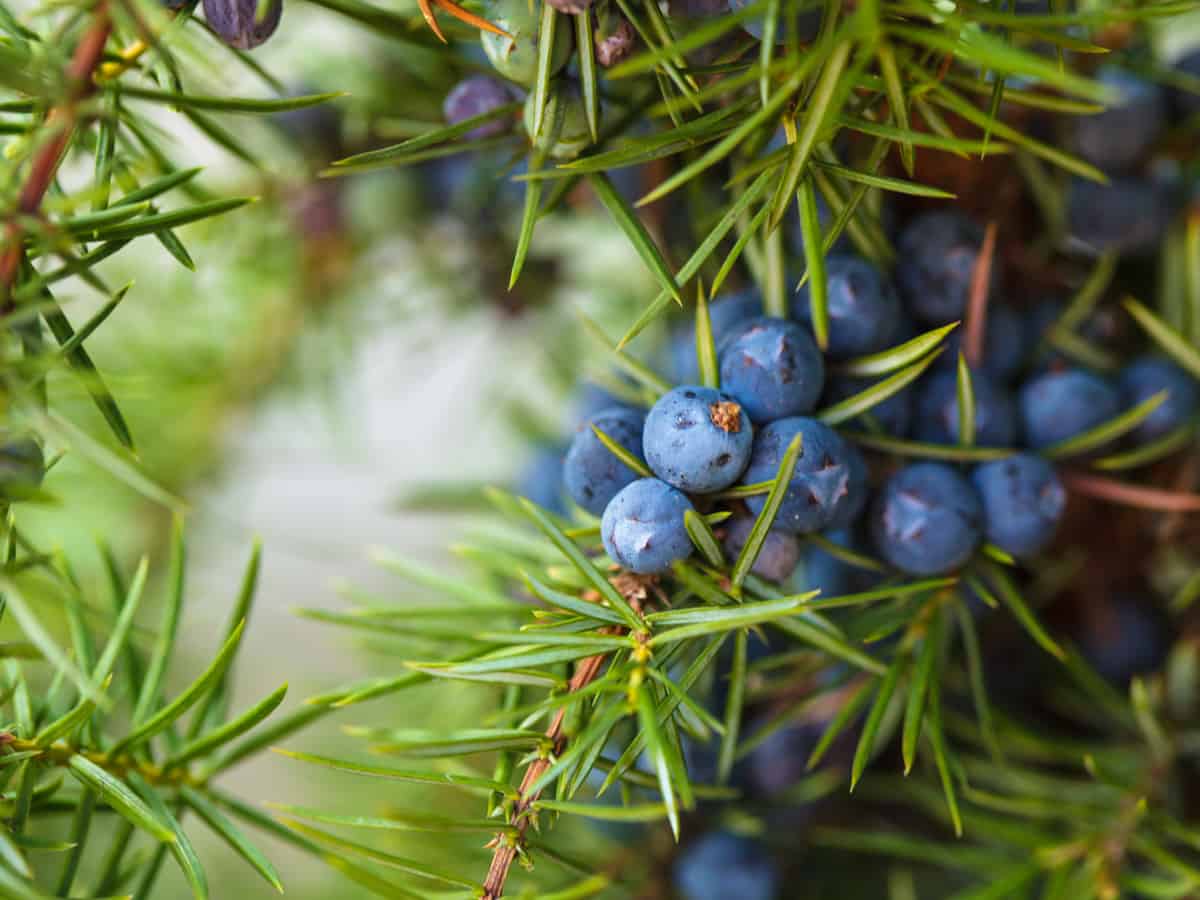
1126, 494
975, 326
59, 126
507, 845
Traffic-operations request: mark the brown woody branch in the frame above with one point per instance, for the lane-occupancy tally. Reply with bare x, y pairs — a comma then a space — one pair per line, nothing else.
507, 846
59, 126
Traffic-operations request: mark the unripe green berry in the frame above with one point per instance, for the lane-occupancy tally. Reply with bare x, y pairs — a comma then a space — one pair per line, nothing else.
516, 58
564, 133
22, 466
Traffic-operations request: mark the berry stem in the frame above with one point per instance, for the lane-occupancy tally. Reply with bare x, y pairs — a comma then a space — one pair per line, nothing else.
59, 126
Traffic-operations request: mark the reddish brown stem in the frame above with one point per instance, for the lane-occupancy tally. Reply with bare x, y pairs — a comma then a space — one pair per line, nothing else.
1155, 499
981, 278
59, 126
506, 847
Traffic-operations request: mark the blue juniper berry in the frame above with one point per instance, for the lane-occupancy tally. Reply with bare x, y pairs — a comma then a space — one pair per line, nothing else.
1059, 405
937, 411
643, 529
828, 483
591, 472
1146, 376
697, 439
773, 368
936, 256
927, 520
722, 865
1023, 502
864, 312
1121, 135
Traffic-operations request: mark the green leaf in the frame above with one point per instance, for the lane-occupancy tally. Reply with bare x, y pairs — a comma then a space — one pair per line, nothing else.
399, 820
895, 358
707, 620
583, 565
231, 730
181, 847
1172, 342
405, 775
823, 103
766, 518
227, 104
727, 752
80, 361
1150, 452
67, 722
689, 269
871, 396
165, 645
866, 741
573, 604
924, 683
1107, 432
117, 795
933, 729
814, 256
622, 453
31, 626
706, 345
704, 539
172, 219
957, 145
182, 703
979, 695
966, 404
645, 812
545, 54
901, 447
897, 101
230, 834
657, 749
636, 232
1012, 598
409, 866
422, 744
885, 182
735, 138
847, 712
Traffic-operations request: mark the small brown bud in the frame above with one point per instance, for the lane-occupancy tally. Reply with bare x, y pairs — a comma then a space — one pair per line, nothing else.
613, 47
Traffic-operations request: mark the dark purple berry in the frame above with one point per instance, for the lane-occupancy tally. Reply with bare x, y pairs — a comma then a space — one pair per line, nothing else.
542, 479
473, 97
238, 24
778, 556
1124, 637
1004, 344
725, 315
1128, 215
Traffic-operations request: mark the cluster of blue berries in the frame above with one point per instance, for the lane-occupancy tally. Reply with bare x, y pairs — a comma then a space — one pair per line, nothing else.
696, 443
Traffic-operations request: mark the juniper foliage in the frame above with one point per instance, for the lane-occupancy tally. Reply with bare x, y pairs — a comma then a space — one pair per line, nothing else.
594, 683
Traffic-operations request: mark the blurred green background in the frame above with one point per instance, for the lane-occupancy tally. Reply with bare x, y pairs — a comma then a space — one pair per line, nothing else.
337, 347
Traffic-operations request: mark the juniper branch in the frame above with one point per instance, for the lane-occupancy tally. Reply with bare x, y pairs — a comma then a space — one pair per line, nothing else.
59, 126
508, 845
